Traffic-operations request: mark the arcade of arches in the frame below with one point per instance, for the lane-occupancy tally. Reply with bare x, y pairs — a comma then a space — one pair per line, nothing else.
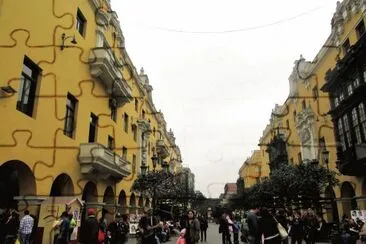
17, 181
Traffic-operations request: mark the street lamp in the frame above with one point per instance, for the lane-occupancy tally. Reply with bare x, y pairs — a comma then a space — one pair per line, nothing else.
154, 160
165, 166
325, 157
143, 169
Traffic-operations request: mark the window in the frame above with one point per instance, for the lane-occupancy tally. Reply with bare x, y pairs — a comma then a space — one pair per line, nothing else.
125, 121
303, 104
113, 113
356, 82
154, 131
93, 125
124, 153
80, 23
322, 143
315, 92
143, 114
341, 134
70, 116
136, 104
149, 148
134, 132
28, 87
299, 157
134, 163
294, 113
346, 46
336, 101
292, 160
347, 130
110, 143
361, 110
356, 126
287, 124
349, 89
341, 96
360, 29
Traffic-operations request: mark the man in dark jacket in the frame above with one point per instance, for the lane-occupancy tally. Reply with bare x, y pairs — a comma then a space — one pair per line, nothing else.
90, 229
252, 220
64, 236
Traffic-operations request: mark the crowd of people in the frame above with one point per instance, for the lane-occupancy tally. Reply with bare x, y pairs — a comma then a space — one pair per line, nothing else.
15, 229
264, 226
192, 228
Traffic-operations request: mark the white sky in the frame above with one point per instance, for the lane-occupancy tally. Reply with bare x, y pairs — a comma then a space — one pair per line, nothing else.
217, 90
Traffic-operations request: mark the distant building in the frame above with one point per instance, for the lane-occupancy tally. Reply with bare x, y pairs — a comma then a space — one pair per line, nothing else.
230, 190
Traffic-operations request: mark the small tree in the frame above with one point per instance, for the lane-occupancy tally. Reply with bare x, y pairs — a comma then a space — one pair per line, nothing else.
289, 181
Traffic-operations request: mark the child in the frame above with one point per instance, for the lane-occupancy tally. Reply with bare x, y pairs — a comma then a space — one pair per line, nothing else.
181, 239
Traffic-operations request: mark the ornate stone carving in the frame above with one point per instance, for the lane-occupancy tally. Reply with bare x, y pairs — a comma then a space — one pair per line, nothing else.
305, 129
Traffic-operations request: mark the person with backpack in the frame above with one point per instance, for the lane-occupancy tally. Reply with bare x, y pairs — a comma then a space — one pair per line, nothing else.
119, 229
236, 230
204, 226
64, 236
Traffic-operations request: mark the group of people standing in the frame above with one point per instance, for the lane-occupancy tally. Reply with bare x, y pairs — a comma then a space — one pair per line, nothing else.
263, 227
94, 231
13, 229
227, 226
193, 228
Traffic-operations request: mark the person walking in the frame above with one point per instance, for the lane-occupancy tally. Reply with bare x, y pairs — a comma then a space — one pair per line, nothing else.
26, 227
252, 221
297, 229
267, 226
181, 239
90, 229
119, 229
193, 229
11, 228
204, 227
64, 236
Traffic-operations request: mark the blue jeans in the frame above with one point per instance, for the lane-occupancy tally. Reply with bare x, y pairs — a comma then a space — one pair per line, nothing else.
24, 238
157, 240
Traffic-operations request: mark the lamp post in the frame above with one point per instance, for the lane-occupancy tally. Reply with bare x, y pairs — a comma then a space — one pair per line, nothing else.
325, 157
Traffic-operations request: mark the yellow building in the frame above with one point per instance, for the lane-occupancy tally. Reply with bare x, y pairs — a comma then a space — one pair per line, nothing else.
77, 119
303, 121
254, 168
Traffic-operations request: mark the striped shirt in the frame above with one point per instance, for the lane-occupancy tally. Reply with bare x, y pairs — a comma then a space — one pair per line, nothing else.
26, 225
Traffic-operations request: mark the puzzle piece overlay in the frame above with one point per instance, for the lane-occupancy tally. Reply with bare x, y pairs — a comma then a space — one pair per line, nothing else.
80, 120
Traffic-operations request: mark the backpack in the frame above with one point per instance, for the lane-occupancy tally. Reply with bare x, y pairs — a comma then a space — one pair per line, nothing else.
122, 229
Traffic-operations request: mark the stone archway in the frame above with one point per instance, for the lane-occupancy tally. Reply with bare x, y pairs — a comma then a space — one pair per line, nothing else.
132, 204
90, 193
62, 186
108, 199
141, 204
133, 200
16, 179
122, 201
347, 195
331, 208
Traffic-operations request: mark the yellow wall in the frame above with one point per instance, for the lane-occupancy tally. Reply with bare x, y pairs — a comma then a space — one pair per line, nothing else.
312, 75
38, 141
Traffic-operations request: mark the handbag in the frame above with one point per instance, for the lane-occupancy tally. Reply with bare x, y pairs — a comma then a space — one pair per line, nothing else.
101, 236
281, 230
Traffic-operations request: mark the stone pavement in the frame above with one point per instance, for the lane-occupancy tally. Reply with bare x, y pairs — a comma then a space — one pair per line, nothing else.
213, 237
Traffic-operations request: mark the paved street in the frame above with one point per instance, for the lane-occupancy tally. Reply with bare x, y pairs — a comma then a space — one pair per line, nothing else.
212, 236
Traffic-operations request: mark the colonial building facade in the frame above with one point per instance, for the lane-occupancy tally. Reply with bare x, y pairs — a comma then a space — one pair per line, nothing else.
324, 112
77, 118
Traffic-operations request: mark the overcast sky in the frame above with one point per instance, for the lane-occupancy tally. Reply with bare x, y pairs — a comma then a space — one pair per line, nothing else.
218, 68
